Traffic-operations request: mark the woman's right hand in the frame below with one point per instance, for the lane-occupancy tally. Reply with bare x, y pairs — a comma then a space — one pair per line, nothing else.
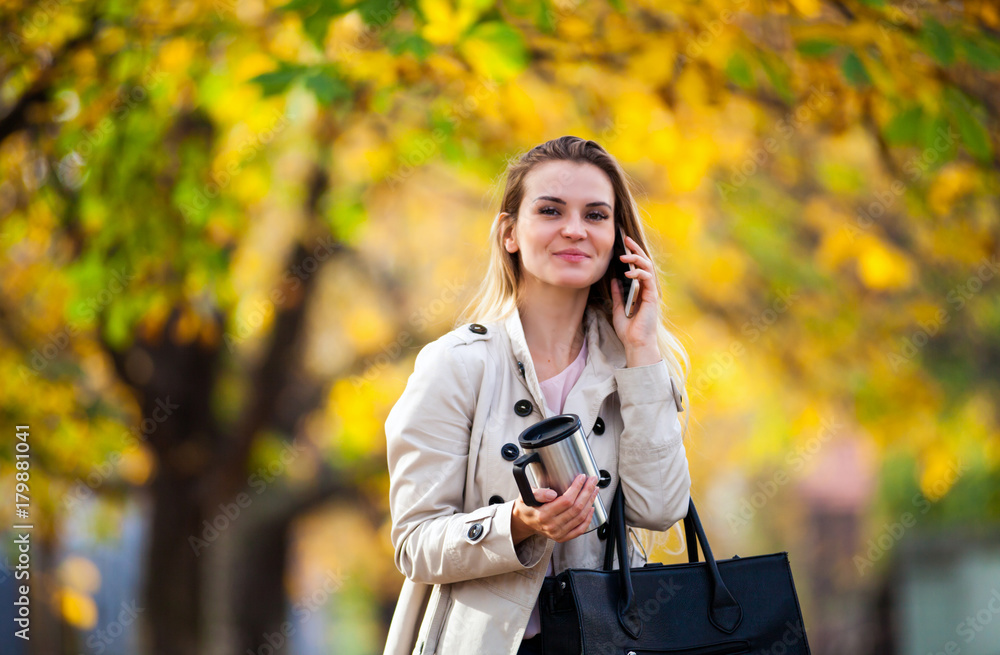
559, 518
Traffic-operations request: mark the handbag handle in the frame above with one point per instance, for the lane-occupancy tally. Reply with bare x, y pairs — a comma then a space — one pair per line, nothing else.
724, 612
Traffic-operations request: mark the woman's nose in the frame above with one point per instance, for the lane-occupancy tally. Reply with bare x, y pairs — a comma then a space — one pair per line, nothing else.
575, 227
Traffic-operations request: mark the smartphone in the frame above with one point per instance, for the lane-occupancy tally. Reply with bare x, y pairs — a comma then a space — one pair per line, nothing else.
629, 285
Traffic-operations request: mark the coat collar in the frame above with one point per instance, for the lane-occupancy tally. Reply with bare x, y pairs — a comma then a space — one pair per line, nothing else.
605, 353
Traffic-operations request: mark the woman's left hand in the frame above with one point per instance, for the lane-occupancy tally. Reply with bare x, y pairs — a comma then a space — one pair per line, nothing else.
638, 334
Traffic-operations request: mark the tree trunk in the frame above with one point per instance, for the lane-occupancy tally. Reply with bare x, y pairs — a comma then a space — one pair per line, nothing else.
173, 584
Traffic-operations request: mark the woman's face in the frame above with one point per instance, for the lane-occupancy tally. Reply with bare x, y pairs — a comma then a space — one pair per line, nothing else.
567, 206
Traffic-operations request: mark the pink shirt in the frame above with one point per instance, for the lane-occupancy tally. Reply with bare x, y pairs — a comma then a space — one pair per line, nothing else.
556, 389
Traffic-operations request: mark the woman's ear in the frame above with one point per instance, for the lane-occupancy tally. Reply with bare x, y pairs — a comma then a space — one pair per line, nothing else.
509, 233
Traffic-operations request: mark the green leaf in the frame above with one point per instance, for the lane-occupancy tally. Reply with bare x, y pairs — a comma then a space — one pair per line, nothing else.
381, 100
854, 70
495, 50
982, 56
873, 3
974, 135
315, 26
816, 48
778, 74
936, 136
121, 316
279, 80
619, 5
327, 87
738, 70
317, 14
296, 5
399, 43
545, 16
904, 127
378, 12
345, 214
938, 42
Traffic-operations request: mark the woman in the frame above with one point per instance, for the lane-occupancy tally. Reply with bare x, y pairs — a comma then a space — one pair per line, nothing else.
550, 336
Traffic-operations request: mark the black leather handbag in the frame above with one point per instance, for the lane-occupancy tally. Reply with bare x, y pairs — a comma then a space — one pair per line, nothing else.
738, 605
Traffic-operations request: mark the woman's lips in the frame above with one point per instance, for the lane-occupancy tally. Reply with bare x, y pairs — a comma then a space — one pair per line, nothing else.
571, 257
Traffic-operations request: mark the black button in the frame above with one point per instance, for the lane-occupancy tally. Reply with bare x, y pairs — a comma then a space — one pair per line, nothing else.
602, 532
520, 367
496, 500
509, 452
599, 426
477, 328
604, 480
522, 407
475, 531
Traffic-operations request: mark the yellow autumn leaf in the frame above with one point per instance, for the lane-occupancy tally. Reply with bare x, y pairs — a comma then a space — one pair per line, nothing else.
881, 267
187, 326
663, 140
136, 465
445, 24
687, 172
287, 40
807, 8
691, 88
836, 247
176, 55
939, 472
990, 14
77, 609
680, 223
356, 424
111, 39
519, 109
371, 66
951, 183
365, 327
654, 63
574, 27
924, 311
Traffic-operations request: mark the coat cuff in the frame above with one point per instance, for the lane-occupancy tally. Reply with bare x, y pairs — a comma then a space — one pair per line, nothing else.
645, 385
649, 402
529, 552
497, 551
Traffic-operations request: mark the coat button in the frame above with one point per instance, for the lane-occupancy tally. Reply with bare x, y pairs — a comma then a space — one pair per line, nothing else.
522, 407
604, 480
496, 500
475, 531
602, 532
509, 452
599, 426
477, 328
520, 367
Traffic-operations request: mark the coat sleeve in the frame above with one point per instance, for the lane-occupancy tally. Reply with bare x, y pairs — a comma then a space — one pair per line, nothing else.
428, 433
652, 463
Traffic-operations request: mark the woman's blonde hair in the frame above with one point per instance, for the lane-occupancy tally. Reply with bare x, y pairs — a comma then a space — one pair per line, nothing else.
500, 291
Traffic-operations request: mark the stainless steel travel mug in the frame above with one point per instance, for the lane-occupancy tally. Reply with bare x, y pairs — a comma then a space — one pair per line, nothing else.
556, 451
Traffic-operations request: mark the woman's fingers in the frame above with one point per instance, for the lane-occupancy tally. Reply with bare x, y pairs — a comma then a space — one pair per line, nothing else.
580, 527
579, 512
544, 495
567, 516
644, 266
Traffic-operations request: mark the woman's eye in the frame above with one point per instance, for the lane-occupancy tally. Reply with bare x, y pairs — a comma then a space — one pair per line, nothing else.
598, 216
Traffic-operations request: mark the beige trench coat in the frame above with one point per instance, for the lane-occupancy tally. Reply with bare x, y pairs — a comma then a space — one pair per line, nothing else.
470, 589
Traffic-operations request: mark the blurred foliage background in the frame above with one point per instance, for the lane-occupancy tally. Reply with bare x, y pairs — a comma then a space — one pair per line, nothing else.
228, 226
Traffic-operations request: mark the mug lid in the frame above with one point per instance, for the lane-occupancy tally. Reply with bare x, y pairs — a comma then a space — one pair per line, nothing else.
549, 431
